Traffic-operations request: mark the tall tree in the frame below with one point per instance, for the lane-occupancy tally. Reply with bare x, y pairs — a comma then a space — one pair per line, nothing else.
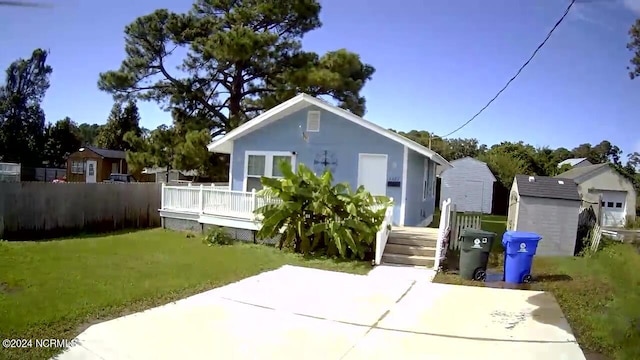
243, 57
22, 121
88, 133
62, 139
504, 165
121, 120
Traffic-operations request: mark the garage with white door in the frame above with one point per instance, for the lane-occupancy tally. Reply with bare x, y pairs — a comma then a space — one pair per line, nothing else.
614, 208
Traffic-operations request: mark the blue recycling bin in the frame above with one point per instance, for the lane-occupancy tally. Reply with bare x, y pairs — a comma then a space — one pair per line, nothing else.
519, 249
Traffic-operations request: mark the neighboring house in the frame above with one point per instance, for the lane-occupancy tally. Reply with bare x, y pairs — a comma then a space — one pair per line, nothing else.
547, 206
308, 130
469, 184
616, 193
575, 162
91, 164
161, 175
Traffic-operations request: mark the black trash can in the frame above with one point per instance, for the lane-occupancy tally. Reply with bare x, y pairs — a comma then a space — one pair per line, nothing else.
475, 247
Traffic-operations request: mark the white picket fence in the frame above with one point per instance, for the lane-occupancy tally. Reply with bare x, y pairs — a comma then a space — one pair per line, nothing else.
460, 223
383, 234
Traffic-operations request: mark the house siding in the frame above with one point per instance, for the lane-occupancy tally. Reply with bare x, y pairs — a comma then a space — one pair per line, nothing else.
609, 180
469, 184
345, 140
555, 220
417, 210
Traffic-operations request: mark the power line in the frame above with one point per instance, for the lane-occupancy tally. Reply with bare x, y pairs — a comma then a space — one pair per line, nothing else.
535, 52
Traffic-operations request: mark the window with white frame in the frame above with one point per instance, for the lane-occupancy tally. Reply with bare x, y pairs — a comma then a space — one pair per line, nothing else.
432, 178
77, 167
428, 180
267, 164
425, 181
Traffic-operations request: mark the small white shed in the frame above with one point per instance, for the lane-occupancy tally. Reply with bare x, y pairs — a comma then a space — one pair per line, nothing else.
469, 184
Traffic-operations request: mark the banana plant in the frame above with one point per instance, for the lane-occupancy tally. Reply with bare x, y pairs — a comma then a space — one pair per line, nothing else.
317, 215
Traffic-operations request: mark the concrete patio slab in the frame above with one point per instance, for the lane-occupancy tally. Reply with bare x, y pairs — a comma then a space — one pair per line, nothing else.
294, 313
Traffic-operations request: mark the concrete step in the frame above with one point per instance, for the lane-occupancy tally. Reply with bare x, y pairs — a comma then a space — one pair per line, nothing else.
411, 241
410, 250
427, 261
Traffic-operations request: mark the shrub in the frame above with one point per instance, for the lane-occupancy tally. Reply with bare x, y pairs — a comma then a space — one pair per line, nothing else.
217, 236
317, 216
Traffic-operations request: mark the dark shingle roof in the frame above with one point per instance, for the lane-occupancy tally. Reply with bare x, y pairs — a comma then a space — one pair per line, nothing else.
581, 171
547, 187
111, 154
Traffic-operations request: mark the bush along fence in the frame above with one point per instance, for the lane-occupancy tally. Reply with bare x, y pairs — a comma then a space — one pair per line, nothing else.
34, 211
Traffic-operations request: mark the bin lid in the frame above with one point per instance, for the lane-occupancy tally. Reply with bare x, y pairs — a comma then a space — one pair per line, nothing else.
520, 235
477, 233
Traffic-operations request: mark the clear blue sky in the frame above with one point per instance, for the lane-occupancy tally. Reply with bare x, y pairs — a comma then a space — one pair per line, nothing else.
437, 62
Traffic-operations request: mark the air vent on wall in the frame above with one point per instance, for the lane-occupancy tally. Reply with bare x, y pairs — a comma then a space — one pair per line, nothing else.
313, 121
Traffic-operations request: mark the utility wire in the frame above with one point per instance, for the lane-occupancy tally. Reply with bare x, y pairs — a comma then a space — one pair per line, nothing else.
535, 52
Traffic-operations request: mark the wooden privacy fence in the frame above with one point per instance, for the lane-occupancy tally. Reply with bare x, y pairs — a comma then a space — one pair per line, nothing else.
31, 211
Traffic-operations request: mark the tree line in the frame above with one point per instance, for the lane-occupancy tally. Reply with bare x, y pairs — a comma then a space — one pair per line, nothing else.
236, 59
27, 138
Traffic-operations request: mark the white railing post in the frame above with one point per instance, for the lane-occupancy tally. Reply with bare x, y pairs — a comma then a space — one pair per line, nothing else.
253, 200
162, 199
201, 205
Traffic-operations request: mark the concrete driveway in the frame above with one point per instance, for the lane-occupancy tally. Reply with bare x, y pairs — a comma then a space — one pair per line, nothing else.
301, 313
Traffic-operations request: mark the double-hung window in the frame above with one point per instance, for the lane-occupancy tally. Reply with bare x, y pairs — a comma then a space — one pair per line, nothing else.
428, 180
264, 163
77, 167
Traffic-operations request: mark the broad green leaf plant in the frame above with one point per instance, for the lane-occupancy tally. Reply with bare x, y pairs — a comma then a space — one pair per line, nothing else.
316, 216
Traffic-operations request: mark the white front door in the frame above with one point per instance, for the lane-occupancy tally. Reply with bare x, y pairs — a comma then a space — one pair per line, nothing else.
91, 171
372, 173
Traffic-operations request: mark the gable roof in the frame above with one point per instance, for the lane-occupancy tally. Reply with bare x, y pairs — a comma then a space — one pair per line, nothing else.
547, 187
571, 162
301, 101
582, 171
440, 169
106, 153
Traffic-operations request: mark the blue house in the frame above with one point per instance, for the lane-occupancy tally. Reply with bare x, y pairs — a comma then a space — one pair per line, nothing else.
308, 130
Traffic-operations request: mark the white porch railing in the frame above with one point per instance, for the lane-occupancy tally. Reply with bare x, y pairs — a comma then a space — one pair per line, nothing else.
443, 232
213, 200
383, 234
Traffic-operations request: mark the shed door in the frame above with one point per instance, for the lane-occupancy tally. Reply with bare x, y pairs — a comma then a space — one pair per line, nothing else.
614, 204
91, 171
372, 173
469, 197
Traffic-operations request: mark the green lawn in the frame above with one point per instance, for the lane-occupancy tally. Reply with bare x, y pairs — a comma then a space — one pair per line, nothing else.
600, 295
54, 289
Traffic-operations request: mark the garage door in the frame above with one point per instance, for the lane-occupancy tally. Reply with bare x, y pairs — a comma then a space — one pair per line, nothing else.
614, 208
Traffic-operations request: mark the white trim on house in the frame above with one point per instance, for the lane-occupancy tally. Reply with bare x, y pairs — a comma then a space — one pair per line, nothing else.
386, 168
268, 163
403, 189
301, 101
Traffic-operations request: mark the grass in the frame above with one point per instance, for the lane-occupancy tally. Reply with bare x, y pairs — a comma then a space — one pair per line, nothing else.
55, 289
599, 294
